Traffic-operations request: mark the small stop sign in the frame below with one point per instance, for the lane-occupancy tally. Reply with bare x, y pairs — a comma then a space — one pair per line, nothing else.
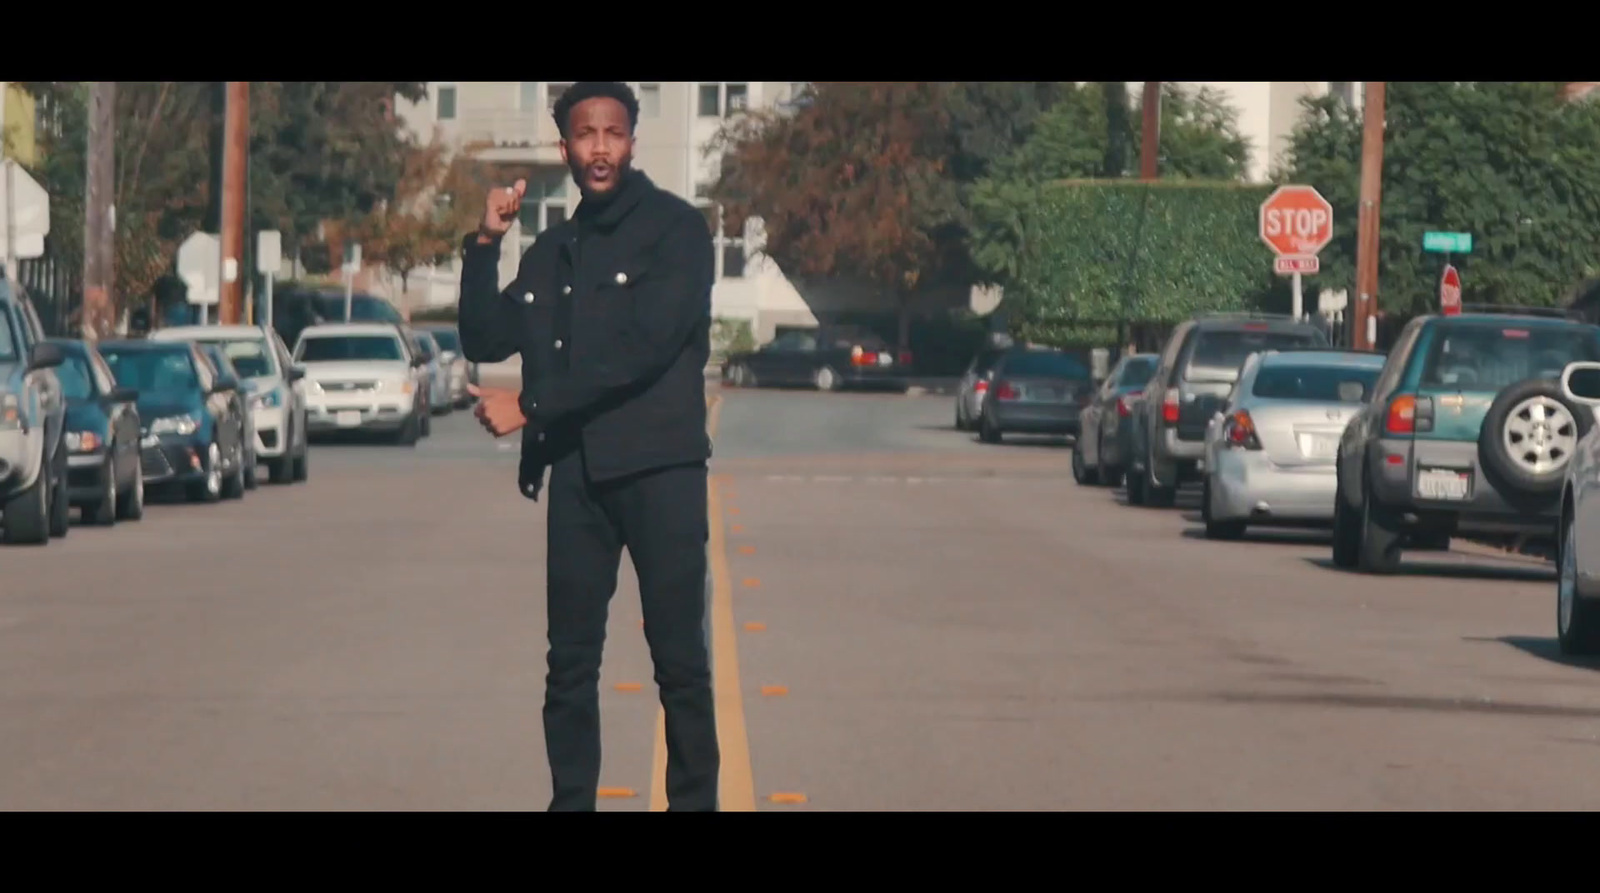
1450, 292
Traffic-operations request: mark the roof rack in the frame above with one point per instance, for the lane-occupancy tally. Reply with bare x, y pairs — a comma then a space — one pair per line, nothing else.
1516, 310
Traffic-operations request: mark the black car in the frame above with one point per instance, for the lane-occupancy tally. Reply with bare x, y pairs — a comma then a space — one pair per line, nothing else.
102, 437
193, 416
1035, 390
828, 359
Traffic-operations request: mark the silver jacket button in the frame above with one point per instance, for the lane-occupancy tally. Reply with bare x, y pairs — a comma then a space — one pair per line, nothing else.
622, 278
566, 289
558, 344
528, 298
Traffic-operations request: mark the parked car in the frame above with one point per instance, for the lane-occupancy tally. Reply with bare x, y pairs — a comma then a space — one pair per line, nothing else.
1100, 453
1270, 448
34, 499
293, 309
1034, 390
439, 398
363, 377
192, 415
273, 383
104, 479
1578, 531
462, 372
973, 388
221, 364
1199, 364
1467, 432
829, 358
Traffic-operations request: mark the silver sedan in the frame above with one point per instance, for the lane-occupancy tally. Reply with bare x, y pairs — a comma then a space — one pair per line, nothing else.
1269, 452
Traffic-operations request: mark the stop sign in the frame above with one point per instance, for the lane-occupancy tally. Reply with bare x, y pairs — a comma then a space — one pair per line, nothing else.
1296, 221
1450, 292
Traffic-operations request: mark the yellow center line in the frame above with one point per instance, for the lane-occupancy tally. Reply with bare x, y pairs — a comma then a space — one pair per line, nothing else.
736, 781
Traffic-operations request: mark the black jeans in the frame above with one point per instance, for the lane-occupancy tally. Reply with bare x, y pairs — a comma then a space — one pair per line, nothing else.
660, 517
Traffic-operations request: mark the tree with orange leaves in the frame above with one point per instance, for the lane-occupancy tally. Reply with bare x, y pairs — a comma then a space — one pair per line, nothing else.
851, 186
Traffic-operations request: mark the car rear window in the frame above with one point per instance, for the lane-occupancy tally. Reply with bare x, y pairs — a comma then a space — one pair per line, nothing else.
1218, 353
1318, 384
1492, 356
1137, 372
1045, 363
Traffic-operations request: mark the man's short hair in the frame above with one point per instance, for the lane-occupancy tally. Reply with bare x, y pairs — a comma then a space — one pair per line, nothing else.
583, 90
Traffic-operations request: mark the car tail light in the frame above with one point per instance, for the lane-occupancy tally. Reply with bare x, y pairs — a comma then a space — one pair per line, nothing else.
862, 357
1169, 408
1122, 404
905, 357
1005, 390
1239, 431
1402, 417
981, 386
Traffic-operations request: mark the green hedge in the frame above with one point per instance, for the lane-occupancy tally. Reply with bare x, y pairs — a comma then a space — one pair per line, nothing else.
1095, 253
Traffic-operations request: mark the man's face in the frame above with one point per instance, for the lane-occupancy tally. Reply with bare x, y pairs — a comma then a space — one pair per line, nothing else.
599, 144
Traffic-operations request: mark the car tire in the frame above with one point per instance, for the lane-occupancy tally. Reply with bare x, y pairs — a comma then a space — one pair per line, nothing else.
1155, 495
1380, 540
1109, 476
104, 513
1133, 482
1217, 530
1577, 619
1084, 475
988, 431
27, 514
1346, 529
1511, 415
60, 500
130, 505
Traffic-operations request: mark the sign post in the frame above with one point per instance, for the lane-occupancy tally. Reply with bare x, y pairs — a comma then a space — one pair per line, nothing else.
1296, 223
352, 264
269, 259
199, 263
1450, 292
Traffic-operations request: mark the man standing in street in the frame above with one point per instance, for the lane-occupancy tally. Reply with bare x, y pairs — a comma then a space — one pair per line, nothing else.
611, 313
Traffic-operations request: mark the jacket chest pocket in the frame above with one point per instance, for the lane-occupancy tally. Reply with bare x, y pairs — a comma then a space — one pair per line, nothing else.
615, 291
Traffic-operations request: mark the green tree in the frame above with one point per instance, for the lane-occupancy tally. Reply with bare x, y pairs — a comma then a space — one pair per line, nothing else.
1512, 163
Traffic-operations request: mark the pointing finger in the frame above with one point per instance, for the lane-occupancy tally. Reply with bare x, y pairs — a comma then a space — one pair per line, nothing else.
520, 188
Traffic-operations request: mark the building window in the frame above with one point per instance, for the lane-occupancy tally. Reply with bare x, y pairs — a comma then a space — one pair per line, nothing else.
649, 100
528, 96
1343, 90
545, 203
733, 259
738, 98
710, 100
445, 104
552, 94
730, 256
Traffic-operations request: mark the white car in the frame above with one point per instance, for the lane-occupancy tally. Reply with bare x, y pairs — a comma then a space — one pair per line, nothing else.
1578, 570
363, 377
273, 383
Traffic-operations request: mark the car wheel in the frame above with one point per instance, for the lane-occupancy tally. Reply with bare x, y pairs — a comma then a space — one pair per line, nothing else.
1217, 530
825, 379
1380, 541
1346, 530
130, 505
209, 489
60, 501
1577, 619
104, 512
27, 515
1530, 432
1080, 471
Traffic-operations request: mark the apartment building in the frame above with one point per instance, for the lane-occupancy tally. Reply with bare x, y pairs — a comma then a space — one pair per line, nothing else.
1269, 111
512, 121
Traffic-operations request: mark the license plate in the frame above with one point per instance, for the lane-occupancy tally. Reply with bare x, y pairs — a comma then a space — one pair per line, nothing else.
1044, 394
348, 418
1443, 483
1320, 446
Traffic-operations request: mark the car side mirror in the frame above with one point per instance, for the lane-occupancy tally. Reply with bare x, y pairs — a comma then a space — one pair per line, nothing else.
224, 383
123, 395
295, 374
1580, 383
46, 355
419, 361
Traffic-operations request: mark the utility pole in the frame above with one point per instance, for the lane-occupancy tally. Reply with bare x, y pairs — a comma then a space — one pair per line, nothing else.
235, 148
1150, 140
1365, 317
99, 316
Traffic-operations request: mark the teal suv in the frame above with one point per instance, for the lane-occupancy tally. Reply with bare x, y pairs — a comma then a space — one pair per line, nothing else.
1466, 433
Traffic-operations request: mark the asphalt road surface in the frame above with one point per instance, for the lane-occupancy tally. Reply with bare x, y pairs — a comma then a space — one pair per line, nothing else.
902, 618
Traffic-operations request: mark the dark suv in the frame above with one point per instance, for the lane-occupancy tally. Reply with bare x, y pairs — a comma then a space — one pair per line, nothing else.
1466, 431
1199, 364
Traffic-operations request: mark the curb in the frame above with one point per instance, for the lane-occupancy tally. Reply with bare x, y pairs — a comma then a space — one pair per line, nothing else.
1473, 547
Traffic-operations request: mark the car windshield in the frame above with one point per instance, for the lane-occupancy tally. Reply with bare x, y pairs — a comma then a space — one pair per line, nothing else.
1218, 353
1048, 363
1491, 356
250, 356
1137, 372
152, 371
1314, 384
448, 339
76, 383
334, 348
8, 339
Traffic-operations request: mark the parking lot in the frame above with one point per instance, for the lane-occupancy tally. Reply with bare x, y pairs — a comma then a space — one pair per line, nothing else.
902, 618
